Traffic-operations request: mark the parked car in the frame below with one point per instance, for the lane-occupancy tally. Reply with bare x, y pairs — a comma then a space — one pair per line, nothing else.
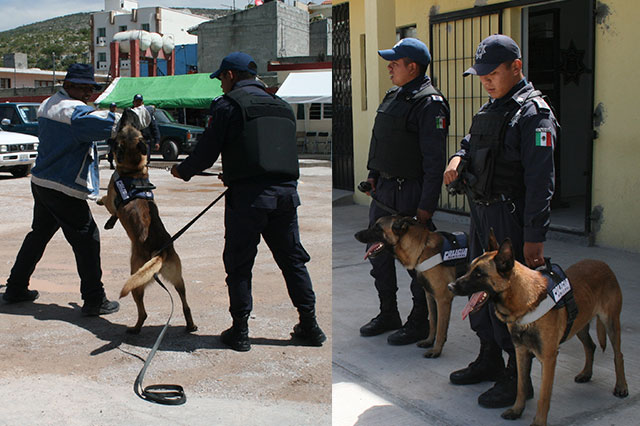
21, 117
18, 151
175, 138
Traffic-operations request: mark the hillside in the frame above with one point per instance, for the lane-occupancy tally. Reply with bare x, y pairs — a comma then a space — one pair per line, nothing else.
68, 37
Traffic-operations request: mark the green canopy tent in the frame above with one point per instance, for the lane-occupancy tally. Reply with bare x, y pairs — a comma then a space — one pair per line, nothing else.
173, 91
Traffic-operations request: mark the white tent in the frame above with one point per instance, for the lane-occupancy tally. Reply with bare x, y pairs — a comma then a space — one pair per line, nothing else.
306, 87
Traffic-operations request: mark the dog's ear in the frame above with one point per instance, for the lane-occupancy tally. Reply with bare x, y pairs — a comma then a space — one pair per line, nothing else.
401, 226
493, 242
129, 118
142, 147
504, 259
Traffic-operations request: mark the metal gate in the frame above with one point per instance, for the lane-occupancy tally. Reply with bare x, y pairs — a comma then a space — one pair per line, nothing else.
342, 126
453, 41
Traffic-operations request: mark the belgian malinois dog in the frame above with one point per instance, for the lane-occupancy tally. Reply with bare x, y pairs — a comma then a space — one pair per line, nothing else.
141, 221
412, 243
517, 290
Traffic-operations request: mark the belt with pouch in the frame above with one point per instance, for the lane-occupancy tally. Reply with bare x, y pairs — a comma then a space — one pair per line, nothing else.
500, 198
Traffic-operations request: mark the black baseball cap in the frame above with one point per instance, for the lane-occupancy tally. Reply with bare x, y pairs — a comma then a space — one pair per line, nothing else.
411, 48
493, 51
236, 61
138, 97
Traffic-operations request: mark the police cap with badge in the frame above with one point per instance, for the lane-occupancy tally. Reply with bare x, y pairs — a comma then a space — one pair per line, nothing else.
493, 51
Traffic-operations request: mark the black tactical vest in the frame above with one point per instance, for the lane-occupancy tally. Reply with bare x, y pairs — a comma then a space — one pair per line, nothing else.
394, 148
266, 145
494, 175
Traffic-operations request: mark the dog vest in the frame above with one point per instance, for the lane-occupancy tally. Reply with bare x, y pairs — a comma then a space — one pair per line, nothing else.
454, 252
559, 295
128, 189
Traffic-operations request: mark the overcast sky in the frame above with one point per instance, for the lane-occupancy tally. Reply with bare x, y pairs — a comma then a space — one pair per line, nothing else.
14, 13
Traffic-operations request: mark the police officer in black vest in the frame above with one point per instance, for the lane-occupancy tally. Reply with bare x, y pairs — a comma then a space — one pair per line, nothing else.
255, 133
406, 161
508, 164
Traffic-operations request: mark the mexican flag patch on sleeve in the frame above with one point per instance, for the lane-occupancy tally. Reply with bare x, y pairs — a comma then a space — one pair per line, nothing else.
543, 137
441, 122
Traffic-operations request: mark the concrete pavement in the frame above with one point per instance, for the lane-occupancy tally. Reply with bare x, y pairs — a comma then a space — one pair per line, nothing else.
378, 384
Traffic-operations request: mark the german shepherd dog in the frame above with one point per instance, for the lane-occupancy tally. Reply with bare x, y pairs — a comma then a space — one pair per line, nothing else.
411, 243
141, 221
516, 290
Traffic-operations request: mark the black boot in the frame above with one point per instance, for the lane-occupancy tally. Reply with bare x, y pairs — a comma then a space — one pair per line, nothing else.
237, 337
386, 320
503, 393
308, 329
416, 328
489, 365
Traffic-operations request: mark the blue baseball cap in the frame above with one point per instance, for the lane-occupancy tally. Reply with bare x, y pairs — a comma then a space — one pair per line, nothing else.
411, 48
236, 61
138, 97
493, 51
80, 74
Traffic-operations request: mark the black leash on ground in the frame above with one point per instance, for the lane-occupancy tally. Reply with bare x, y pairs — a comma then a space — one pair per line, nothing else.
166, 394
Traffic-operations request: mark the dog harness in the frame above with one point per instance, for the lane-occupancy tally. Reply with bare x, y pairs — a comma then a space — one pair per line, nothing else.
128, 189
559, 295
454, 252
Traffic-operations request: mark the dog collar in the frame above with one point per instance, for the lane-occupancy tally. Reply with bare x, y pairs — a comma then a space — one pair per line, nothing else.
429, 263
545, 306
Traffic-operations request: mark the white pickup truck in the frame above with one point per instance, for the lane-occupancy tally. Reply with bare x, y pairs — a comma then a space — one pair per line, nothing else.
18, 152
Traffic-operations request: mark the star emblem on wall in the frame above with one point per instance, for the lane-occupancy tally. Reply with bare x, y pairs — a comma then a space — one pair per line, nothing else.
572, 64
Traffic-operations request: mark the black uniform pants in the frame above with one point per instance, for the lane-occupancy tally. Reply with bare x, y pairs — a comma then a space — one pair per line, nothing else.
404, 198
277, 222
53, 210
506, 220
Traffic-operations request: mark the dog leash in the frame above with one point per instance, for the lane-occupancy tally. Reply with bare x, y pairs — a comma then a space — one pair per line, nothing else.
188, 225
160, 394
166, 394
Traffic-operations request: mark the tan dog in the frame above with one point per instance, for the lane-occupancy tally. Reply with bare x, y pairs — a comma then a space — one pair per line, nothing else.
517, 290
412, 243
141, 220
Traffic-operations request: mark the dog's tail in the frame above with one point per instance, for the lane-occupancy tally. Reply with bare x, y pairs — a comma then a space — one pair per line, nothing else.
602, 333
143, 275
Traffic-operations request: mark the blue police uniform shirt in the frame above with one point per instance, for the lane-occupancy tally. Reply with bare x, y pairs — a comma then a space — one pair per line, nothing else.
530, 138
423, 118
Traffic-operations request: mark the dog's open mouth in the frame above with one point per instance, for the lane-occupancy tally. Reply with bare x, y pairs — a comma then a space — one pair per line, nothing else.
476, 300
374, 250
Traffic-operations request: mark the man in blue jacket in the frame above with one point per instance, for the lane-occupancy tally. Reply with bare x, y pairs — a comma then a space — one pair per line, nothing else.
255, 133
65, 175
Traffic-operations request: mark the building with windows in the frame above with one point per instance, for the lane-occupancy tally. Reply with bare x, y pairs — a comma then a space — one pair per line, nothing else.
124, 15
33, 84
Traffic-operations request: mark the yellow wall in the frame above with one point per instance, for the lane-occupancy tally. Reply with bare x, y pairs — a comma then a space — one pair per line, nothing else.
616, 164
616, 152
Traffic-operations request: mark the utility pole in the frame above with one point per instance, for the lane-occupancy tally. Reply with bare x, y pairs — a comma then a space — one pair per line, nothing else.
53, 58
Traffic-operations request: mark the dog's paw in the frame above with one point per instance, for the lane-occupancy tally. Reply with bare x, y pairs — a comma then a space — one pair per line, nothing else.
511, 414
191, 328
582, 378
621, 391
133, 330
426, 343
100, 202
432, 353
